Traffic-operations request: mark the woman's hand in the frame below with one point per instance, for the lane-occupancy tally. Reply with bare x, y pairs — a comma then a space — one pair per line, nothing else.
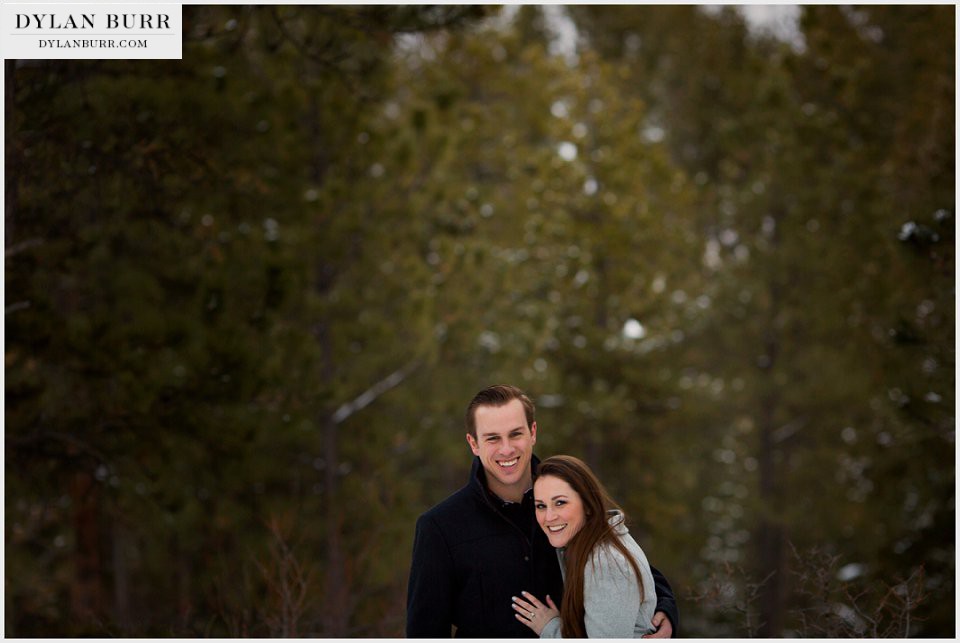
533, 613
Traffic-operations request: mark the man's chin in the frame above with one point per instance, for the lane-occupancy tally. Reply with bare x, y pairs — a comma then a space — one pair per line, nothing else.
507, 479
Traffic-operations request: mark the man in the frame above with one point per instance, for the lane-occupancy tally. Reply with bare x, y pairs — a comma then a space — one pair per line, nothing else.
482, 545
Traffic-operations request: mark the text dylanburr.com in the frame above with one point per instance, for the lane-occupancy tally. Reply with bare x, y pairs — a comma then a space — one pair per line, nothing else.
82, 31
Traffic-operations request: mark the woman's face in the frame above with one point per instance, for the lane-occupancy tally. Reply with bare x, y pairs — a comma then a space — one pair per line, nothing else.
559, 509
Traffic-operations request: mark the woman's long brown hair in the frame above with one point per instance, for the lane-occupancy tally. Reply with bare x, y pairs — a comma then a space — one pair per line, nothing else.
596, 532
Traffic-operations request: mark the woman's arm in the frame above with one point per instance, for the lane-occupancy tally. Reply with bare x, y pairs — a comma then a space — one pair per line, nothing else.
611, 596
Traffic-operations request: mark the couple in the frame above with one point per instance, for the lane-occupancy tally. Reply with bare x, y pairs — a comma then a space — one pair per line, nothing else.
485, 560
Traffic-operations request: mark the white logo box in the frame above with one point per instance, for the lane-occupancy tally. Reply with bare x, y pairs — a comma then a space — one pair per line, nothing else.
91, 31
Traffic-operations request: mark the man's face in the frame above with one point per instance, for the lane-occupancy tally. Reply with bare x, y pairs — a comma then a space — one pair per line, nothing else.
504, 445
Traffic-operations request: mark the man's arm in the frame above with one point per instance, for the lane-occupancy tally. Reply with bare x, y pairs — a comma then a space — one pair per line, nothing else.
430, 590
666, 604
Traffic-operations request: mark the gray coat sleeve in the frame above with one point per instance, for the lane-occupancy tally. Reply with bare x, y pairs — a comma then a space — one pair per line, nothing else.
611, 597
552, 629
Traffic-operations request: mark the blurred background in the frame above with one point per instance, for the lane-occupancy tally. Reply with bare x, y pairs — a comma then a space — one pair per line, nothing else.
250, 293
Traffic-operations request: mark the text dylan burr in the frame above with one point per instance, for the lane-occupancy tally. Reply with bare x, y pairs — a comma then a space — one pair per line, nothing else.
93, 21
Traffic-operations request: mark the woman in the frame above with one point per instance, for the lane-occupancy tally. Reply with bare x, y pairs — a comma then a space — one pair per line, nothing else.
608, 587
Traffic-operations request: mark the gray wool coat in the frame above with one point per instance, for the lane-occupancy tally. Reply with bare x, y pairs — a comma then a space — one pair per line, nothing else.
611, 596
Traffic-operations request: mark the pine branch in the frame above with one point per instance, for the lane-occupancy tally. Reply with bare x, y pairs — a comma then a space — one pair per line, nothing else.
367, 397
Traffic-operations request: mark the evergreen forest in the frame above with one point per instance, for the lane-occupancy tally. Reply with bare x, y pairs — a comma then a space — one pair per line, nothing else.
250, 293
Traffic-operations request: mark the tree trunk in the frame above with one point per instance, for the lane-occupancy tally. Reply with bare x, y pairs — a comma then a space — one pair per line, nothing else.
592, 446
121, 576
770, 532
86, 595
336, 592
184, 581
10, 183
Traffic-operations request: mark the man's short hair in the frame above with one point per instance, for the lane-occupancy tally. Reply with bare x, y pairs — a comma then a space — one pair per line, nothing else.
498, 395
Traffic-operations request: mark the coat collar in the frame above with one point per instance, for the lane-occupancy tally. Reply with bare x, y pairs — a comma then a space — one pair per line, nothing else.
478, 478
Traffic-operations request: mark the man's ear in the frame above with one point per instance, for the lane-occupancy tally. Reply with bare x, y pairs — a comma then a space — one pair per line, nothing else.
473, 444
533, 432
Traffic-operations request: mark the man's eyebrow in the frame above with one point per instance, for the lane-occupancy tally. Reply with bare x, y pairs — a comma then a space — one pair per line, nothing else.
485, 435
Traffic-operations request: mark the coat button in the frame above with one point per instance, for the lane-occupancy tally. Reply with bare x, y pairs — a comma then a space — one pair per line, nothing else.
526, 558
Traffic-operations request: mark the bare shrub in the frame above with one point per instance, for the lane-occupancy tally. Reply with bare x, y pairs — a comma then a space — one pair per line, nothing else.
835, 606
287, 583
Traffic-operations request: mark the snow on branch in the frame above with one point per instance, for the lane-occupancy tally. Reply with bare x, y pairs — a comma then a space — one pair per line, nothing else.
367, 397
